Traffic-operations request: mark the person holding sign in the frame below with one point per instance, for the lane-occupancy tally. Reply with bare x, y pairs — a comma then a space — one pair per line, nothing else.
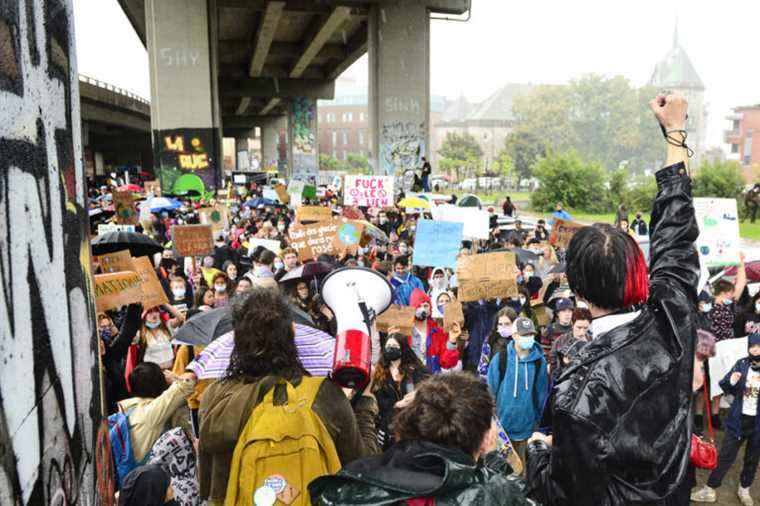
403, 282
621, 411
433, 346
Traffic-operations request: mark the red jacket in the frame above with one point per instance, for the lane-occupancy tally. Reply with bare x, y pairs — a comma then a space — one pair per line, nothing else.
438, 354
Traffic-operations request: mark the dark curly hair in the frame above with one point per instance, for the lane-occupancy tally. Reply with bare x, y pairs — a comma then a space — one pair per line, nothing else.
452, 410
410, 363
264, 339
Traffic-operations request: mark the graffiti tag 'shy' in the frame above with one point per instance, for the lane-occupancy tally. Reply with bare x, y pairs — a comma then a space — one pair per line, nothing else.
47, 341
402, 146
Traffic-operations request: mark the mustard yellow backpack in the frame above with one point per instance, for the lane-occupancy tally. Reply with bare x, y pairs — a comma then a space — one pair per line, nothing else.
283, 448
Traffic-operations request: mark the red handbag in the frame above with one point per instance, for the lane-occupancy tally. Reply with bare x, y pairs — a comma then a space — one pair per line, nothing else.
703, 453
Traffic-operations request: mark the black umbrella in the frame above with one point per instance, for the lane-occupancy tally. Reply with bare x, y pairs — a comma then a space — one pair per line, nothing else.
307, 272
139, 245
558, 269
206, 326
525, 256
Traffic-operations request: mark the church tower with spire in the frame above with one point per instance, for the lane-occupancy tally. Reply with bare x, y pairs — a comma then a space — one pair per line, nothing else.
675, 72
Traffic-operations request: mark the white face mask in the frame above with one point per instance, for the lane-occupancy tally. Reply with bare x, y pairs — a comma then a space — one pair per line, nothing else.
757, 307
178, 293
278, 265
220, 288
706, 307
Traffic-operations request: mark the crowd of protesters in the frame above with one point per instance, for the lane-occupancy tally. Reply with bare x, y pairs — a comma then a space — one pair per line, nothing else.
592, 371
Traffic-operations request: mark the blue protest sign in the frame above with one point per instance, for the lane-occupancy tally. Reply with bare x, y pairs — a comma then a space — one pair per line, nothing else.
437, 243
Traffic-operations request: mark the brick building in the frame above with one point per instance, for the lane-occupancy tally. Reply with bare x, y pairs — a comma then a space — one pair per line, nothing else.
744, 124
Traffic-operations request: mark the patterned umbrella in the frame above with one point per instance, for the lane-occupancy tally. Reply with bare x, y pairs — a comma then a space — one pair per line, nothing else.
315, 351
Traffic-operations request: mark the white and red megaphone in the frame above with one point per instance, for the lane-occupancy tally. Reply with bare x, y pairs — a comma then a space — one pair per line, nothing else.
355, 295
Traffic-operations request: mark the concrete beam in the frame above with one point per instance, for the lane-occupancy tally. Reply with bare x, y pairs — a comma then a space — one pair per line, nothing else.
243, 106
265, 87
274, 102
297, 6
109, 116
280, 49
247, 121
264, 36
135, 12
357, 47
320, 33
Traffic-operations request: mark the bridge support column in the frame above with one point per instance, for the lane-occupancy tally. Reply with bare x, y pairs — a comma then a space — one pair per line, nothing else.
399, 84
185, 116
274, 145
304, 143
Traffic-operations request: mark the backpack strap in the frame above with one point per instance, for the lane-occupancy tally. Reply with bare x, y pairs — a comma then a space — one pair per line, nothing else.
502, 364
307, 390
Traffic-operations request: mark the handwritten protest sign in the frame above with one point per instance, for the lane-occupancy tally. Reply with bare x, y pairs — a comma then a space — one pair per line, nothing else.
325, 237
270, 194
124, 206
718, 241
475, 221
437, 243
368, 191
486, 276
313, 213
115, 262
295, 187
270, 244
152, 187
217, 217
562, 232
105, 228
153, 292
193, 240
452, 313
396, 316
116, 289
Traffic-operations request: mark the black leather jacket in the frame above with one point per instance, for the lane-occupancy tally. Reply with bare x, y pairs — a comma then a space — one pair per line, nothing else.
621, 410
419, 469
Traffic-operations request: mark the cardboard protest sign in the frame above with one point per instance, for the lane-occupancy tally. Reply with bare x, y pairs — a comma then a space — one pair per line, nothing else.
153, 292
437, 243
124, 206
217, 217
475, 221
105, 228
542, 314
282, 193
452, 313
396, 316
368, 191
115, 262
486, 276
117, 289
270, 244
325, 237
152, 187
313, 213
193, 240
718, 241
562, 232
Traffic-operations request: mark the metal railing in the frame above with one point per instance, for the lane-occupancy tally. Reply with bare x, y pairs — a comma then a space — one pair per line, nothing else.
115, 89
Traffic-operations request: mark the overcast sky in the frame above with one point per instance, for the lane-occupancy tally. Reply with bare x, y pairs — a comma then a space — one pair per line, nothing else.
540, 41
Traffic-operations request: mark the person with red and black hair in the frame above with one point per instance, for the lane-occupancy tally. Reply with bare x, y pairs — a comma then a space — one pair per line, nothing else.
621, 410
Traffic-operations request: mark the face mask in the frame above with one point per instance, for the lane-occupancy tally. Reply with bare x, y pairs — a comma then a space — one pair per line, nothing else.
441, 308
106, 335
152, 325
757, 307
504, 330
754, 362
706, 307
403, 250
525, 342
421, 313
391, 353
360, 263
233, 277
522, 301
519, 279
727, 302
528, 274
178, 293
220, 288
278, 265
281, 228
383, 221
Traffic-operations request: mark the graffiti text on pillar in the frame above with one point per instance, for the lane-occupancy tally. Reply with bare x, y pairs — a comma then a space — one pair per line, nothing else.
402, 146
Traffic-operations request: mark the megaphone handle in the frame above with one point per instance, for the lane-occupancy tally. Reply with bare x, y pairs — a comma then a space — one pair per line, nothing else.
367, 314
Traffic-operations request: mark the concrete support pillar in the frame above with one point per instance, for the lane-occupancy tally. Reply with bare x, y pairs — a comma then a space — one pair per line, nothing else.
274, 145
185, 115
399, 84
242, 153
303, 131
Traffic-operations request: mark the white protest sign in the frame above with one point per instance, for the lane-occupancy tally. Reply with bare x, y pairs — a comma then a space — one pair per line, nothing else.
270, 193
718, 241
113, 227
727, 352
474, 220
296, 187
270, 244
368, 191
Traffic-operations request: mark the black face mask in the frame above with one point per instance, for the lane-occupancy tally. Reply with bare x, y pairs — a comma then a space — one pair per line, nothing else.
391, 353
754, 362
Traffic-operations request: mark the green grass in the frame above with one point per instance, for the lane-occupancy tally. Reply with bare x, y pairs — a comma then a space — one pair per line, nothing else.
749, 230
493, 197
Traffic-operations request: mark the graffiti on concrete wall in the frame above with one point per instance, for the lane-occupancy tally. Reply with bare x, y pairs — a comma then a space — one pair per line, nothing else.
186, 151
402, 146
304, 121
49, 382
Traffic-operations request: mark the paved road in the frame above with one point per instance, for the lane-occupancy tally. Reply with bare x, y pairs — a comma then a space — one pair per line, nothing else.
727, 491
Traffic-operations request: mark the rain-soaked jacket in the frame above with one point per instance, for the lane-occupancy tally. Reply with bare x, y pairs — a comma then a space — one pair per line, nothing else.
421, 470
621, 409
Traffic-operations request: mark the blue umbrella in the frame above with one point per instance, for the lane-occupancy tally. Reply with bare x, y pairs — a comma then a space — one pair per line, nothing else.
260, 202
163, 204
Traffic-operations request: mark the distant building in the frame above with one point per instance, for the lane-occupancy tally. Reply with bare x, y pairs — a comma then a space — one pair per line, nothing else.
675, 72
744, 123
489, 122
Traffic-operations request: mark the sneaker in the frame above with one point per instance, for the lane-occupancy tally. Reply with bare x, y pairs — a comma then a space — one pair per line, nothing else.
704, 494
744, 496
